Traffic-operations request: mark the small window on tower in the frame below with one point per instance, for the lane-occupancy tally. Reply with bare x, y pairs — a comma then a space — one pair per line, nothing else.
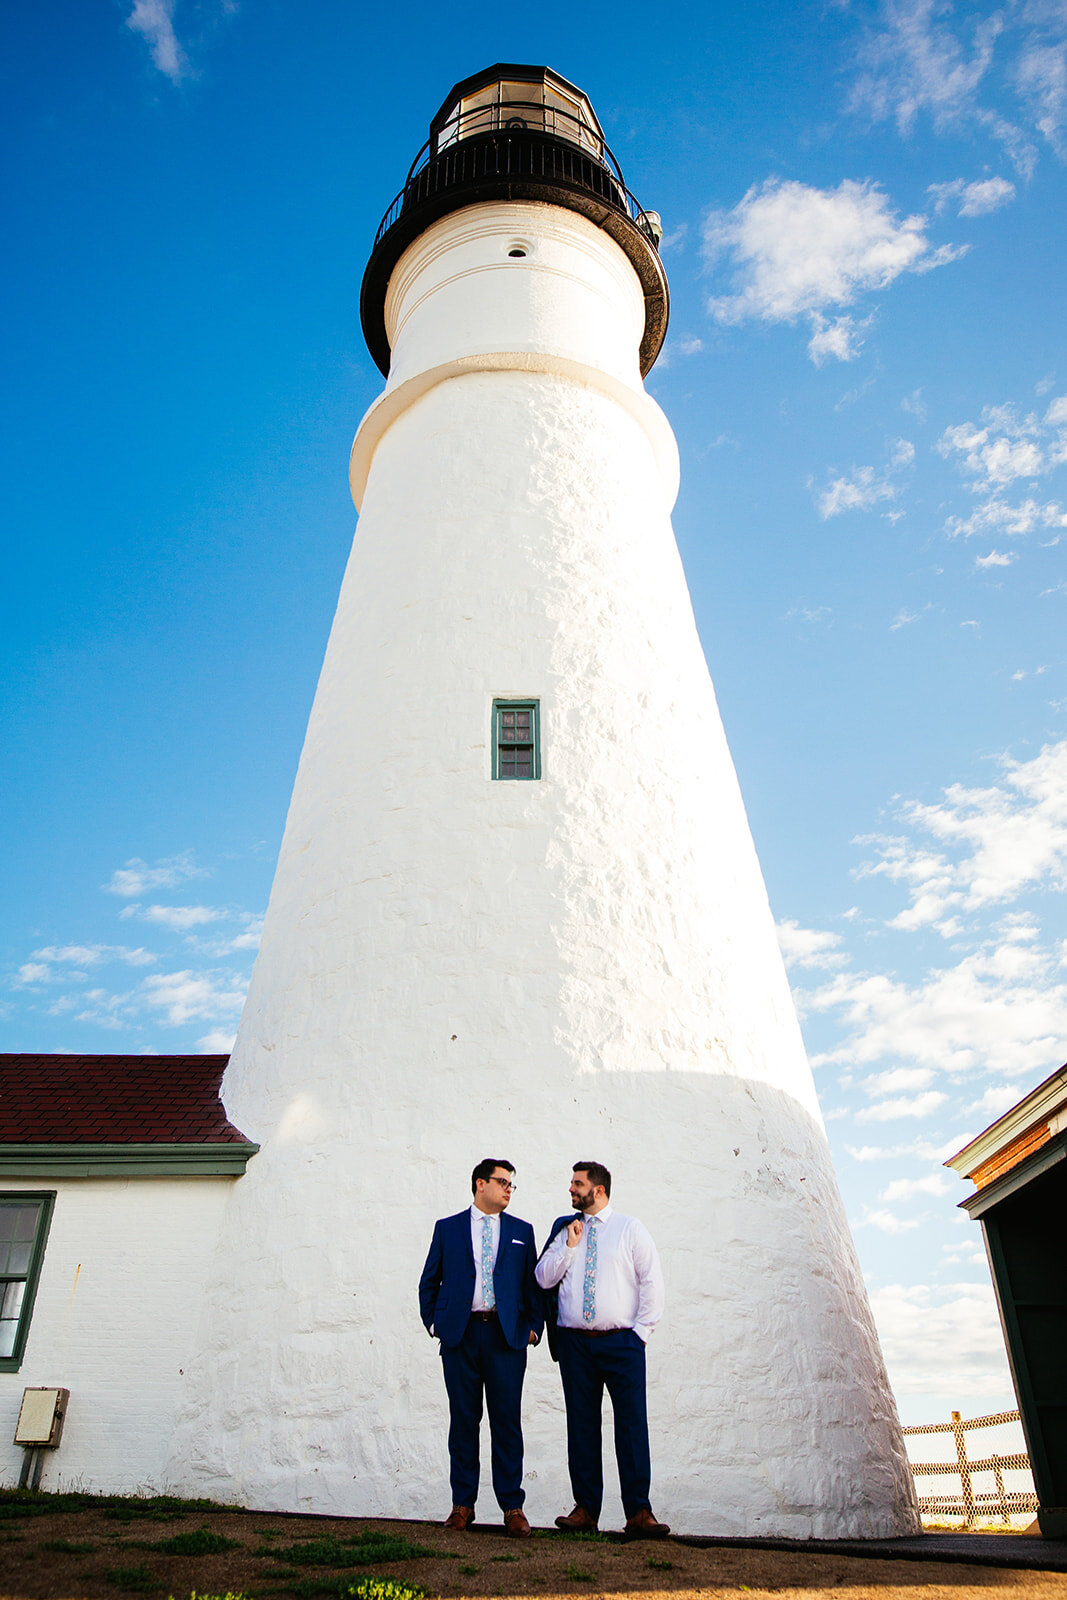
516, 741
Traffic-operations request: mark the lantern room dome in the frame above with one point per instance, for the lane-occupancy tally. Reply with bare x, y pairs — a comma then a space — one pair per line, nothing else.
516, 132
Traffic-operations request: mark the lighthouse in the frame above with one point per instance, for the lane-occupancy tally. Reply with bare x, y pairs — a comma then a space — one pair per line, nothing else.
518, 912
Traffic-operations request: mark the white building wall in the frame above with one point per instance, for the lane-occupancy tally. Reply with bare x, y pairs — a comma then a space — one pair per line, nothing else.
580, 967
115, 1322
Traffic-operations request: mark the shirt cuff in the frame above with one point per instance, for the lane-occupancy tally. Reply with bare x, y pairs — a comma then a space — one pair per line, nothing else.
643, 1331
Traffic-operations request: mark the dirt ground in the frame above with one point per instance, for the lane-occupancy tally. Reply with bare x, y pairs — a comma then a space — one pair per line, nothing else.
79, 1548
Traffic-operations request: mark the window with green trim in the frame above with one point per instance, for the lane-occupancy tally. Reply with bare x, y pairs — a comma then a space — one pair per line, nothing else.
24, 1223
516, 739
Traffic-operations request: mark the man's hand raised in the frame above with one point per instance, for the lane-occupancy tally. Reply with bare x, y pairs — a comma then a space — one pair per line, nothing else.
574, 1232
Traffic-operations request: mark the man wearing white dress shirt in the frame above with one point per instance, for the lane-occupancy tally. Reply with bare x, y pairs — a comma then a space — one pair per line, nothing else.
606, 1271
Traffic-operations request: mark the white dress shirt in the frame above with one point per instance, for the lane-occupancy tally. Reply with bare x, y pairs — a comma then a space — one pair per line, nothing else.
629, 1278
477, 1218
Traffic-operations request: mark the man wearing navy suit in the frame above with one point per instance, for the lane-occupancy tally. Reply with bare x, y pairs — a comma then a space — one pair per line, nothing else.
478, 1296
602, 1275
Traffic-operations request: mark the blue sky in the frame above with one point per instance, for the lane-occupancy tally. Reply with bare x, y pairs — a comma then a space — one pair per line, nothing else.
864, 214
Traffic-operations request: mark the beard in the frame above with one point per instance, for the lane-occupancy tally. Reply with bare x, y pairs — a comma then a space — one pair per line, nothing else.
582, 1202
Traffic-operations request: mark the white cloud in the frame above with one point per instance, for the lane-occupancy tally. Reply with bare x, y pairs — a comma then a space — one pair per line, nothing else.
219, 1042
973, 199
898, 1078
944, 1340
838, 338
808, 947
995, 558
1012, 835
34, 972
1000, 517
888, 1222
918, 1105
181, 918
1002, 447
194, 996
902, 619
907, 1188
865, 487
1002, 1009
915, 64
137, 877
797, 251
915, 404
914, 1149
1041, 79
154, 21
1000, 1098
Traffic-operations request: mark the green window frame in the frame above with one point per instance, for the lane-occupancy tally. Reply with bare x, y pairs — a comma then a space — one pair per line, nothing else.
517, 740
25, 1219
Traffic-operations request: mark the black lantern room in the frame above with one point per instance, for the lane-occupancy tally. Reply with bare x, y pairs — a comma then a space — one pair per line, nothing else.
516, 133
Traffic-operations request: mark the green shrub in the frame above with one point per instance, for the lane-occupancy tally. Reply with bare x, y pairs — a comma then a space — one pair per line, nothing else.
137, 1579
360, 1550
198, 1542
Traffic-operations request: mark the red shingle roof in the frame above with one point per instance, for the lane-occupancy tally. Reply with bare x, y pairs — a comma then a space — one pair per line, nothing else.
113, 1100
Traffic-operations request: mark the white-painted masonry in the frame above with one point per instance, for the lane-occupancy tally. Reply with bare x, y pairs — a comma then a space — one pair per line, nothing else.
115, 1321
581, 967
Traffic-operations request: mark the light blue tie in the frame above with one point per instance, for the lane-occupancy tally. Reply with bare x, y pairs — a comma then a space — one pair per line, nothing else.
488, 1292
589, 1285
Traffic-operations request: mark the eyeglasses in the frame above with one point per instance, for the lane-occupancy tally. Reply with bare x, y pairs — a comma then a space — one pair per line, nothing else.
505, 1183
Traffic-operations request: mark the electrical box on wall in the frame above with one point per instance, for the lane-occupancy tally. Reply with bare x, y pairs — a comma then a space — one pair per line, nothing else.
40, 1424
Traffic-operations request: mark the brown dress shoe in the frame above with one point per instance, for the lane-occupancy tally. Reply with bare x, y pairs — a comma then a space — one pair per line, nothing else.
516, 1524
460, 1518
577, 1521
643, 1525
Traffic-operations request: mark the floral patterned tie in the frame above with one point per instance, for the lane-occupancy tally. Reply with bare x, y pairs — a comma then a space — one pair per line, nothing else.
488, 1292
589, 1285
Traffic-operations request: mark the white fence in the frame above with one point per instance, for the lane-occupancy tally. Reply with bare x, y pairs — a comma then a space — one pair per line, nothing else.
969, 1504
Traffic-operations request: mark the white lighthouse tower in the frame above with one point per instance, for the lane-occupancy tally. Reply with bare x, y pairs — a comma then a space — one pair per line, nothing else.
518, 912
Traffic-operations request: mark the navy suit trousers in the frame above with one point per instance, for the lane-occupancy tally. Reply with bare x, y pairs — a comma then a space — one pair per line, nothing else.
615, 1361
484, 1362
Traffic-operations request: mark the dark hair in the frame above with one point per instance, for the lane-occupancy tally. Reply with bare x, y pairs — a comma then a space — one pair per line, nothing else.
485, 1170
596, 1172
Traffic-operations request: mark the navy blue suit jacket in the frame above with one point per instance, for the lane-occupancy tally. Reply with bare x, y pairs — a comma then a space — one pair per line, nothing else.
551, 1296
446, 1287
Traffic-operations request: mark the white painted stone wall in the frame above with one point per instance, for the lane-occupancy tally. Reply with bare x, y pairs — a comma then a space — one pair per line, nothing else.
582, 967
115, 1322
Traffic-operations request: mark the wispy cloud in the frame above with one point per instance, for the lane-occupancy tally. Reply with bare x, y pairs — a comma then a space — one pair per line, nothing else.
137, 877
989, 843
1001, 1009
976, 199
154, 21
1005, 445
178, 918
919, 61
809, 947
796, 251
942, 1340
864, 487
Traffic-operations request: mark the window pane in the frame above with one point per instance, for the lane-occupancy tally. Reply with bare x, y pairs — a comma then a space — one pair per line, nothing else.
11, 1303
19, 1257
26, 1222
7, 1338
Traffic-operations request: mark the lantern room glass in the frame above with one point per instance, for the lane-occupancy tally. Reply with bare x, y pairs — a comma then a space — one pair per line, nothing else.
508, 103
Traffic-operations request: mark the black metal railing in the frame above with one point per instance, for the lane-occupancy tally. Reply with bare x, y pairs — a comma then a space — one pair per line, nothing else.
522, 142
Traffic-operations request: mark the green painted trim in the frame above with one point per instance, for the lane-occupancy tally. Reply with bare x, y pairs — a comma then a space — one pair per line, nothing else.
125, 1160
533, 706
13, 1362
